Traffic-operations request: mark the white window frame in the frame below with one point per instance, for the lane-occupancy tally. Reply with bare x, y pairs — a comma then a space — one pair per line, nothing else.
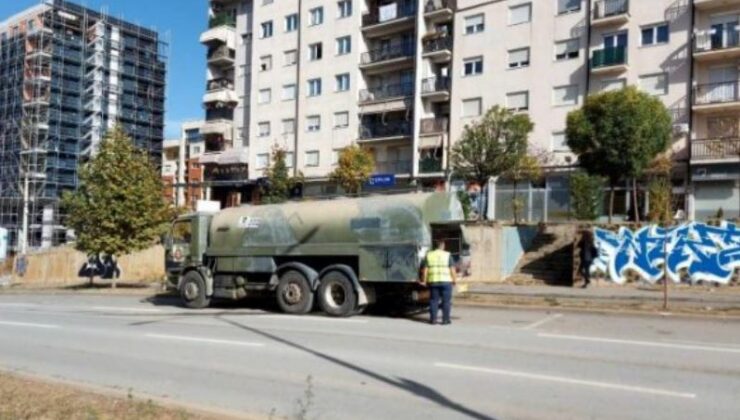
553, 143
344, 45
568, 10
345, 115
291, 19
555, 95
521, 63
288, 54
266, 63
568, 54
476, 27
290, 121
287, 89
316, 16
479, 101
313, 128
666, 82
312, 153
315, 51
260, 131
264, 26
510, 95
314, 87
342, 82
262, 161
344, 9
260, 96
517, 7
654, 29
471, 63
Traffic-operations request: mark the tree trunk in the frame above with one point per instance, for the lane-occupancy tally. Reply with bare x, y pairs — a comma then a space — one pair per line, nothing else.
611, 201
634, 198
515, 204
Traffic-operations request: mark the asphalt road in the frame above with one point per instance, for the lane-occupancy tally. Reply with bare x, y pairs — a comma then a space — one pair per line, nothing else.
491, 363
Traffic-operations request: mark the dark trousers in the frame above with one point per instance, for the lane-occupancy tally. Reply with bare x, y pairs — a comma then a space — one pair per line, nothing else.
586, 271
443, 291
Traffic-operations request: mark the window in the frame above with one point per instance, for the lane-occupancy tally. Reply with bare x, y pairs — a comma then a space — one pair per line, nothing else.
345, 8
289, 92
560, 143
342, 82
291, 22
568, 49
265, 63
312, 158
613, 84
265, 96
655, 84
289, 159
263, 159
314, 87
473, 66
474, 24
341, 119
655, 34
266, 29
317, 15
568, 6
335, 156
315, 51
565, 95
289, 126
344, 45
313, 123
264, 129
471, 107
290, 56
517, 101
520, 14
519, 58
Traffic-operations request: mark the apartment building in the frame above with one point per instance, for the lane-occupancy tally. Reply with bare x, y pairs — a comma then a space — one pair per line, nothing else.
402, 78
67, 74
182, 175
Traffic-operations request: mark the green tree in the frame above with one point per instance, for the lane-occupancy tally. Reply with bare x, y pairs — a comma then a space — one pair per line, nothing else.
617, 134
118, 207
660, 190
354, 168
526, 168
587, 195
491, 146
279, 181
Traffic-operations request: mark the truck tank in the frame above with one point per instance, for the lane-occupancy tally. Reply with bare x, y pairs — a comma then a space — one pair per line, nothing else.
325, 226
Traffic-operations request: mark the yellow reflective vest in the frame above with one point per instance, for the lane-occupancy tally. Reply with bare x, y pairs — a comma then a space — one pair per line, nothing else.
438, 267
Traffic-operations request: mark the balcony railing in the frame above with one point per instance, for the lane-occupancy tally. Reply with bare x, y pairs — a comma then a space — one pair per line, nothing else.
435, 84
393, 167
389, 13
716, 93
608, 8
434, 5
392, 52
219, 114
430, 165
221, 52
607, 57
722, 148
438, 44
399, 90
713, 40
217, 84
434, 125
370, 131
222, 19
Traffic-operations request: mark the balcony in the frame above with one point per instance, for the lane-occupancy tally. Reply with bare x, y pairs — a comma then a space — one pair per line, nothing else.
220, 35
712, 45
389, 58
221, 91
389, 18
714, 97
430, 165
438, 49
711, 4
720, 149
222, 19
610, 13
436, 89
386, 93
439, 10
609, 60
391, 130
222, 56
222, 128
431, 126
397, 167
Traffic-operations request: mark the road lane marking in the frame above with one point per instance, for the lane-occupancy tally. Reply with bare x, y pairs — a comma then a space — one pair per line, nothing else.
28, 324
571, 381
205, 340
640, 343
123, 309
542, 321
19, 305
314, 318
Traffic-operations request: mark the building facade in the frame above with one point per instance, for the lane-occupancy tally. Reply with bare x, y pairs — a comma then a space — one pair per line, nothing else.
182, 176
67, 74
402, 78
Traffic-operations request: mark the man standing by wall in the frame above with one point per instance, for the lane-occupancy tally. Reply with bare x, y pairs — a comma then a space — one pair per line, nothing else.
438, 272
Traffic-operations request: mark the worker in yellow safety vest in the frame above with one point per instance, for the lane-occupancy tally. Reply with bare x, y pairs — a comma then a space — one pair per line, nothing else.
438, 273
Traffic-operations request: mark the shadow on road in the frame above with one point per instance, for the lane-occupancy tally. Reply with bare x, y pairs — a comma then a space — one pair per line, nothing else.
404, 384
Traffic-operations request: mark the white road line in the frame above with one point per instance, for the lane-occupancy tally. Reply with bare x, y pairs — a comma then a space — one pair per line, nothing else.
314, 318
571, 381
124, 309
640, 343
28, 324
542, 321
205, 340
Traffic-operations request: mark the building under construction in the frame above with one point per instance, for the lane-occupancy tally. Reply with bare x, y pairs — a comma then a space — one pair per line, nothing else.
67, 74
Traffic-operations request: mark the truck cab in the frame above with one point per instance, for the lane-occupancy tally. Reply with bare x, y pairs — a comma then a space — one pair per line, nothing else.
185, 246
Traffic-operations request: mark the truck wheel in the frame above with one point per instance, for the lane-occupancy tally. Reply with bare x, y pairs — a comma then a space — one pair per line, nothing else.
193, 291
294, 295
337, 296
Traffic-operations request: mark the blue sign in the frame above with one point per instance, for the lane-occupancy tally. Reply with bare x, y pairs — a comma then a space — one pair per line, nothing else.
382, 180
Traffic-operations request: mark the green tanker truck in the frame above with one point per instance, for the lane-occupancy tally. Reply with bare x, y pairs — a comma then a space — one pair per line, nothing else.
345, 253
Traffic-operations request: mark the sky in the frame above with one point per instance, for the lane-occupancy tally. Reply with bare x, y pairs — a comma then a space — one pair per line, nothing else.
182, 21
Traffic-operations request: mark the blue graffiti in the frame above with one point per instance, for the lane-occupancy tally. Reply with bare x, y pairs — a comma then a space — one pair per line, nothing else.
701, 251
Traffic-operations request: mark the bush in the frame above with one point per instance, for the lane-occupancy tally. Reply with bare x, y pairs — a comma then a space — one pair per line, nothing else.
587, 196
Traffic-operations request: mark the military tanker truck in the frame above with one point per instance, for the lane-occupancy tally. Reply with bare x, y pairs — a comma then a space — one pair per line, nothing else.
344, 253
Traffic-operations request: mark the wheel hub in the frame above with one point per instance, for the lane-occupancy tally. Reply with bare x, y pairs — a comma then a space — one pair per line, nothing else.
293, 294
336, 295
191, 291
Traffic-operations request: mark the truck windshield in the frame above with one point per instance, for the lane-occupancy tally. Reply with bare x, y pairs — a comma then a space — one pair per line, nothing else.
181, 232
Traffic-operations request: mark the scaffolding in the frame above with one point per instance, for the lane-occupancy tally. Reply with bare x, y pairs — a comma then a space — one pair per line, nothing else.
68, 74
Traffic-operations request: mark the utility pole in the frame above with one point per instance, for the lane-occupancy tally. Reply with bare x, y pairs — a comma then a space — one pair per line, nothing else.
23, 237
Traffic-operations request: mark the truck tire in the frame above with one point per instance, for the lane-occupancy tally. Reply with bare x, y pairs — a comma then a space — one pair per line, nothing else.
294, 294
337, 295
193, 291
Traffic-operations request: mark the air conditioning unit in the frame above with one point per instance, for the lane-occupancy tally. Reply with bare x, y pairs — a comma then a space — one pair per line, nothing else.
679, 129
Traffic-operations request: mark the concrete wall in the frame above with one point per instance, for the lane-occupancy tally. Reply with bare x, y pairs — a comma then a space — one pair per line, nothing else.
60, 266
496, 250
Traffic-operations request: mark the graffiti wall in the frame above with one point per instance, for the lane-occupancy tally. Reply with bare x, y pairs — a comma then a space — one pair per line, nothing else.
692, 252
